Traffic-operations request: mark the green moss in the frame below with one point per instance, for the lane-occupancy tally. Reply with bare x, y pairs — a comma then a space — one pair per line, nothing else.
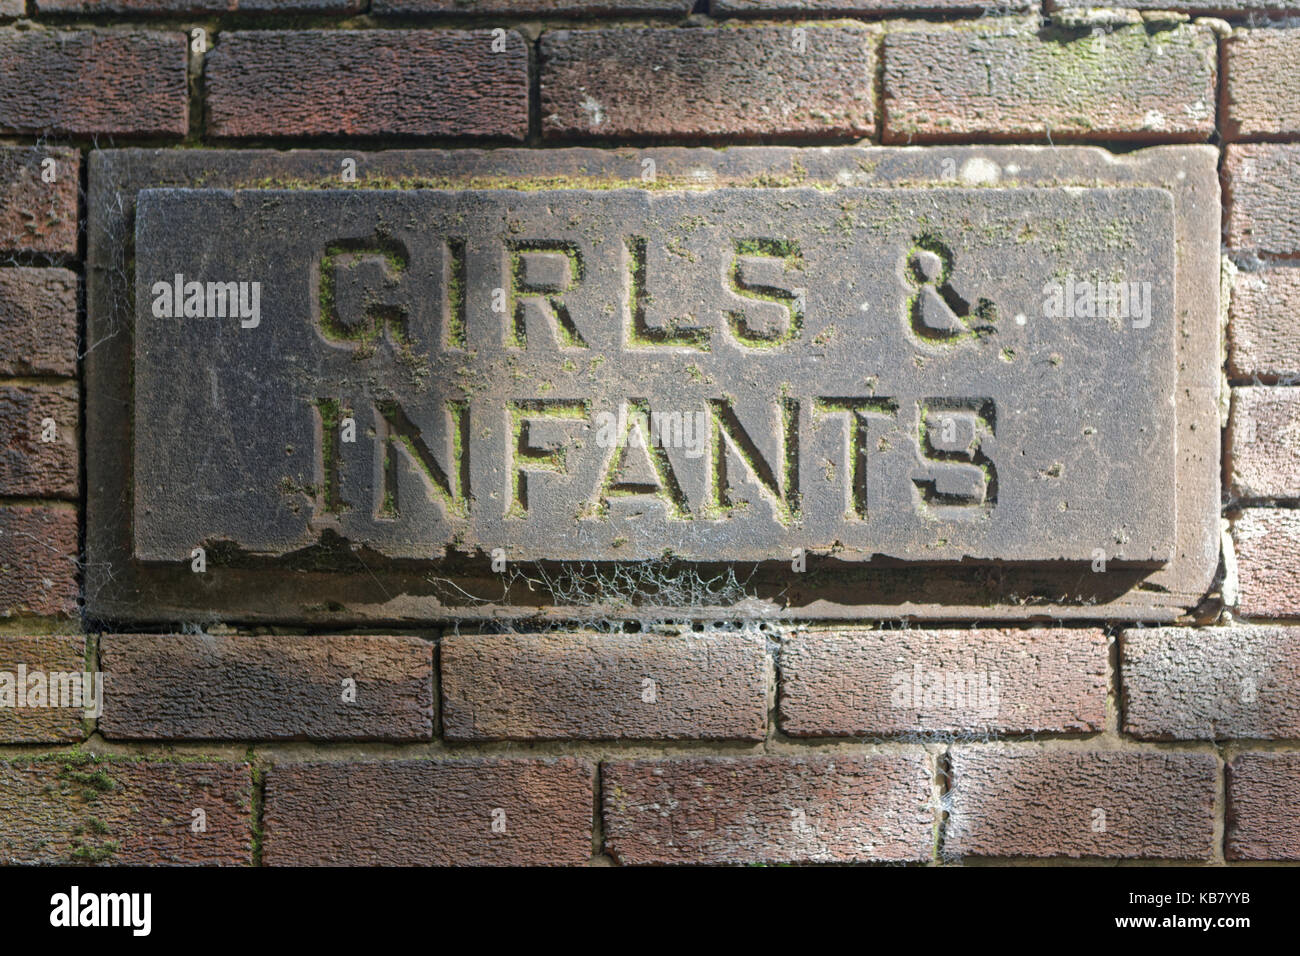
95, 853
456, 280
366, 333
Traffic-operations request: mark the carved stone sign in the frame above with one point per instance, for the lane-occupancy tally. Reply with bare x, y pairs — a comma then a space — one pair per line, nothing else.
401, 385
615, 374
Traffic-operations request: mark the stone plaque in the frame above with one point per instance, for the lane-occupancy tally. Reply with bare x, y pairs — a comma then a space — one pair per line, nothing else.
881, 391
617, 374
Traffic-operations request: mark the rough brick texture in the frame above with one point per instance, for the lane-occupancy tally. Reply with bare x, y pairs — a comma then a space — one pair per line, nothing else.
851, 7
30, 466
1184, 683
44, 655
1230, 8
947, 84
1262, 88
76, 810
184, 7
1264, 443
602, 686
824, 809
530, 8
367, 83
38, 554
35, 215
1261, 793
1264, 323
1262, 201
430, 813
38, 322
1050, 803
1267, 542
88, 82
178, 687
746, 82
857, 683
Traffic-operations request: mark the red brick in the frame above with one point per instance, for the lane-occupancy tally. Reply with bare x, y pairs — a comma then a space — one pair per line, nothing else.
87, 82
857, 7
837, 808
593, 686
531, 8
1185, 683
266, 687
367, 83
46, 655
31, 467
38, 322
1263, 458
37, 216
1262, 197
192, 7
1261, 793
1262, 86
75, 809
729, 82
1267, 542
1021, 83
856, 683
1044, 803
1264, 323
430, 813
38, 554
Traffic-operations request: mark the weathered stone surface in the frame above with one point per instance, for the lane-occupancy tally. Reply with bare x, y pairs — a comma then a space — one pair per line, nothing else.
525, 8
1047, 803
975, 682
37, 215
749, 82
843, 808
1055, 84
398, 83
208, 687
853, 7
38, 322
1261, 95
184, 7
1267, 542
1263, 205
77, 810
1182, 683
601, 686
507, 812
782, 368
12, 8
1261, 790
1230, 8
1264, 442
1264, 323
39, 459
41, 718
38, 560
696, 280
84, 82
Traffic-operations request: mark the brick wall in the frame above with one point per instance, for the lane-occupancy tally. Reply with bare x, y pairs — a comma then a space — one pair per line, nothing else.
769, 743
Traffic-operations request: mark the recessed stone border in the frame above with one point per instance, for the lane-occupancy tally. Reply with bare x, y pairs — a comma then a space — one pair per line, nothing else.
345, 586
